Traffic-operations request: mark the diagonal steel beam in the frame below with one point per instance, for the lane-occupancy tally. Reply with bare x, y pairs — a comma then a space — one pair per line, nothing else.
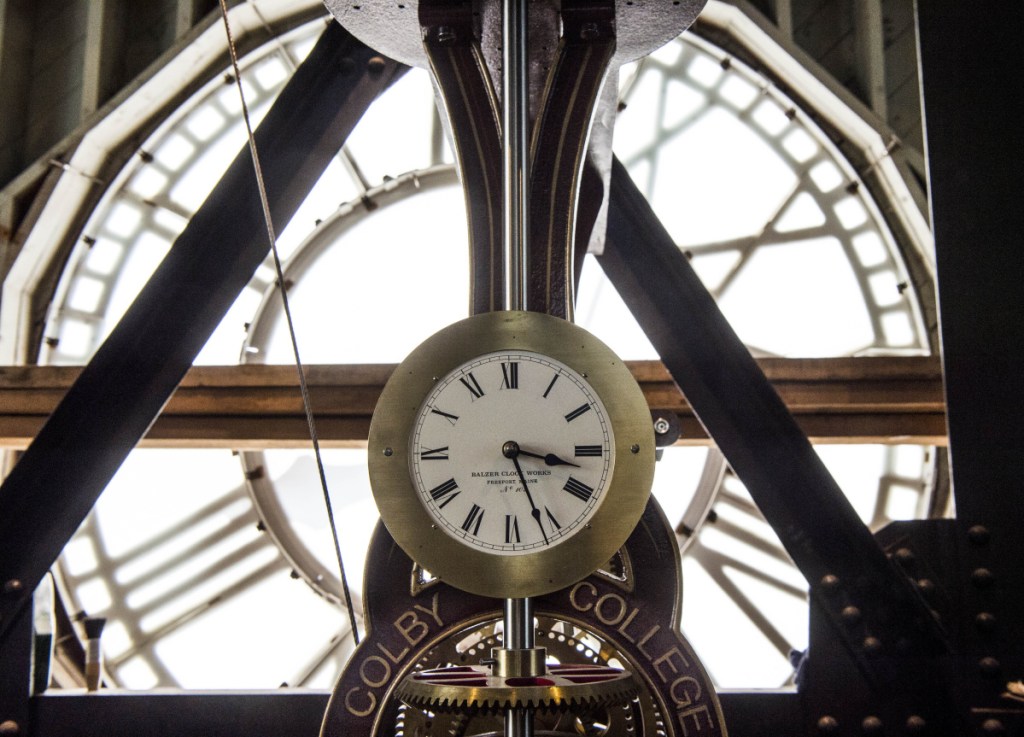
119, 394
741, 411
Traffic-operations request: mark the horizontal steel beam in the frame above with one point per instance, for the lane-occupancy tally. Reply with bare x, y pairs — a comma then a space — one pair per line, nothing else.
835, 400
287, 712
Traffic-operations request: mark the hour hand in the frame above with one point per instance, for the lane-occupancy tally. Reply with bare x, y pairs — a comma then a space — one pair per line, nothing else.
511, 450
549, 459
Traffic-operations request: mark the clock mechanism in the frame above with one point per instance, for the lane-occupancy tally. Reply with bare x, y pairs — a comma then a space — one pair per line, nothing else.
512, 454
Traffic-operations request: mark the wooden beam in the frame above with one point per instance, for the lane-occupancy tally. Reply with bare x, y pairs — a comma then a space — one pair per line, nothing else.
835, 400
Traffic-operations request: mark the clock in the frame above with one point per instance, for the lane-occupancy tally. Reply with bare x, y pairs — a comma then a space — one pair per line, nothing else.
511, 454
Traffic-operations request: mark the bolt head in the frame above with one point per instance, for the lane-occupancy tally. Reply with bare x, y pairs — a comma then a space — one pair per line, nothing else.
830, 583
985, 621
979, 535
828, 725
916, 724
871, 725
872, 645
9, 727
904, 556
851, 615
993, 726
982, 578
13, 586
989, 666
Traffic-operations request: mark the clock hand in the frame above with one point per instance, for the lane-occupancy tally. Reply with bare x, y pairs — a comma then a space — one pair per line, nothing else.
550, 459
511, 450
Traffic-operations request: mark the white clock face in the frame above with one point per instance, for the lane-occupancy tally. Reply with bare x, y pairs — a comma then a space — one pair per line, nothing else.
511, 452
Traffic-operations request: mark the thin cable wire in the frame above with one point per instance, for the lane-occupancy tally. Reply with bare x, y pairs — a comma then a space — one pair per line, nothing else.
304, 388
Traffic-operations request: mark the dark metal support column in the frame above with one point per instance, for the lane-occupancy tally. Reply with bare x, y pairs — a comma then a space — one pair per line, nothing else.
819, 528
972, 76
121, 391
563, 126
460, 73
16, 672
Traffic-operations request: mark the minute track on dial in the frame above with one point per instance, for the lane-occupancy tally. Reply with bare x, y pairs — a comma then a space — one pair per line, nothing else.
486, 401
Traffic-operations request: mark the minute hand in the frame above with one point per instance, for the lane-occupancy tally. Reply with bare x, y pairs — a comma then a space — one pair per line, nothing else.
550, 459
534, 512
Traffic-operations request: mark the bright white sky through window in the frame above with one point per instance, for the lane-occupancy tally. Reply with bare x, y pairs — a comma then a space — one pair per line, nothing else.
800, 262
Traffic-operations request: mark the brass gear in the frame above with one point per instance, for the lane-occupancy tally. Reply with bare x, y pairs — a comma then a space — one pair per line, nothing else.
573, 687
565, 643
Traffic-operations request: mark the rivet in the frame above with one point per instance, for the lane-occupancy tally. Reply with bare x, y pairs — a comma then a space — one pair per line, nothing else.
989, 666
827, 724
985, 621
589, 31
634, 448
982, 578
872, 645
925, 585
376, 64
992, 726
9, 726
830, 583
916, 724
871, 725
13, 586
851, 615
388, 452
904, 556
979, 535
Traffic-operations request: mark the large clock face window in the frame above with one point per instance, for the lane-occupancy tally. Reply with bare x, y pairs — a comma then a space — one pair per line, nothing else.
776, 222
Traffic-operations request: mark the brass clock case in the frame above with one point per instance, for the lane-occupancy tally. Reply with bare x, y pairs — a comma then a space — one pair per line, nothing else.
474, 569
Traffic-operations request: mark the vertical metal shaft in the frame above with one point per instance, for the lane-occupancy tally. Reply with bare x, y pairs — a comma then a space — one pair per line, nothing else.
519, 635
515, 175
515, 135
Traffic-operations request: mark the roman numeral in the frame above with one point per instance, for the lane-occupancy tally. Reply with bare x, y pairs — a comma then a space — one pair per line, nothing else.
436, 454
510, 375
578, 489
551, 518
451, 418
548, 390
470, 382
473, 519
511, 528
582, 409
443, 490
588, 451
